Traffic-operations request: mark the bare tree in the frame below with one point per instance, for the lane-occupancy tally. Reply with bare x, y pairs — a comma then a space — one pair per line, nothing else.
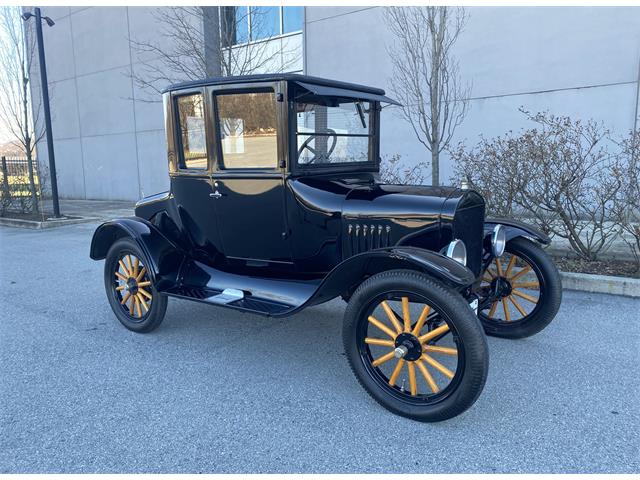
426, 77
17, 52
199, 42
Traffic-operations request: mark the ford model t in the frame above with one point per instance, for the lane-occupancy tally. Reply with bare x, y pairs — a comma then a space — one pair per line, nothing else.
276, 205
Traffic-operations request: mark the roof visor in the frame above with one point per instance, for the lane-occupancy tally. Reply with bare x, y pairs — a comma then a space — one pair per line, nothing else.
344, 92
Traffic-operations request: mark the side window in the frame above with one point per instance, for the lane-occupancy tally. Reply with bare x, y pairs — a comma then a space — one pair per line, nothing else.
193, 143
247, 124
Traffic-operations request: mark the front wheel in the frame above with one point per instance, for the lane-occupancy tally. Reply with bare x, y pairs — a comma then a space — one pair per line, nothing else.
415, 346
521, 291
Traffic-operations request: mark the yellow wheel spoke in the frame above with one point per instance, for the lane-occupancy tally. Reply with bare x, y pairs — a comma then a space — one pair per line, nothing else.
142, 302
499, 267
437, 365
124, 268
136, 265
141, 274
121, 287
518, 306
406, 316
380, 341
412, 379
121, 277
493, 309
445, 350
144, 284
384, 358
507, 314
145, 293
131, 303
524, 295
125, 298
421, 319
137, 305
396, 372
532, 285
392, 316
382, 326
512, 262
434, 333
524, 270
427, 376
129, 264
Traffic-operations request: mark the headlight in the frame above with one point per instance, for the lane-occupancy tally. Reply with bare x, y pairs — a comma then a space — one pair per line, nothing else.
498, 240
457, 251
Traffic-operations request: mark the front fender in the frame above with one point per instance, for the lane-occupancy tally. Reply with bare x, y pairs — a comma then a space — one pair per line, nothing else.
162, 256
351, 271
515, 228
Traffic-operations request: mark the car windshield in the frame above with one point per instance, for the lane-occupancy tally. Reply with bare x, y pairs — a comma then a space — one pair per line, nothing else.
333, 131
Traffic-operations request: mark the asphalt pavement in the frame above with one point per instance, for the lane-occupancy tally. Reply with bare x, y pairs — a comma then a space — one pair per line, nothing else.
213, 390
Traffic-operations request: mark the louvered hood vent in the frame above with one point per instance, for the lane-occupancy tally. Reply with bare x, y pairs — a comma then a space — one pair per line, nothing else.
363, 237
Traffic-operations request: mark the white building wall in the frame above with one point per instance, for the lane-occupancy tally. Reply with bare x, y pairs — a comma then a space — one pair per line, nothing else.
577, 61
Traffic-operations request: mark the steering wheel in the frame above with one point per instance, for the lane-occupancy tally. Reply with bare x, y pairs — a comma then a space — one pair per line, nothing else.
312, 136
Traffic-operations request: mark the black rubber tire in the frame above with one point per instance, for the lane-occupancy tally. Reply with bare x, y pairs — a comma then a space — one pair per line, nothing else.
550, 294
152, 319
457, 312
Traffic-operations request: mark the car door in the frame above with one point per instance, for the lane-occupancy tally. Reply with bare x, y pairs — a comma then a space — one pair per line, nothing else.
249, 178
191, 183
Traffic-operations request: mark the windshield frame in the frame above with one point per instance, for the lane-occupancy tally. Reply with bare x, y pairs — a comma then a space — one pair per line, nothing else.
371, 165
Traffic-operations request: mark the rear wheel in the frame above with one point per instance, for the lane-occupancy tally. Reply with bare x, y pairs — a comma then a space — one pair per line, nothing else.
130, 290
415, 346
522, 291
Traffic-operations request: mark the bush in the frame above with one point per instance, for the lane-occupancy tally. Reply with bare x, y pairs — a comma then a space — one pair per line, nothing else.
627, 202
560, 175
395, 172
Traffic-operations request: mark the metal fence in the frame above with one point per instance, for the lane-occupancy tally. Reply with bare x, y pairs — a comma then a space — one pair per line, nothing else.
20, 185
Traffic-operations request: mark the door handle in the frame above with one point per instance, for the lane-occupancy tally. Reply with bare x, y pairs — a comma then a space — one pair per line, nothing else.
215, 194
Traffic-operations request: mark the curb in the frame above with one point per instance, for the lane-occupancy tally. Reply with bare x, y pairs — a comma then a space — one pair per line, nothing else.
585, 282
35, 225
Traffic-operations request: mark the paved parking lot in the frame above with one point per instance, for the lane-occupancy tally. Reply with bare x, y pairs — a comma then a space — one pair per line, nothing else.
214, 390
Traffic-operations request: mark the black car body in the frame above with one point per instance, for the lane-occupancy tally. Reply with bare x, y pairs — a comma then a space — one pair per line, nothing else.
258, 219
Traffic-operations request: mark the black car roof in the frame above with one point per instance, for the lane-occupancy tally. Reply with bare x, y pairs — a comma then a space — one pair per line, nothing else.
273, 77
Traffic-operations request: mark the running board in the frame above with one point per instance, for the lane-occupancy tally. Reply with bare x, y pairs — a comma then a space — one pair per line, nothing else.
262, 295
233, 300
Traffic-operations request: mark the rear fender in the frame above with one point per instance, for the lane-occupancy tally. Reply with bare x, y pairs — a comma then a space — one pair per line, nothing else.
514, 228
346, 276
163, 257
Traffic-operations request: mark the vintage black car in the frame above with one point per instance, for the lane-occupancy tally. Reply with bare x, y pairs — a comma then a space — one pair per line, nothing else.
276, 205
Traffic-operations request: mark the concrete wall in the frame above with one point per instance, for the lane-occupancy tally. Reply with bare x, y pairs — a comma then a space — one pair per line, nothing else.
108, 132
577, 61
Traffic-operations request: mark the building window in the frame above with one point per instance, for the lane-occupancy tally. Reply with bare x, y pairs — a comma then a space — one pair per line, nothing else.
248, 130
240, 25
292, 19
193, 143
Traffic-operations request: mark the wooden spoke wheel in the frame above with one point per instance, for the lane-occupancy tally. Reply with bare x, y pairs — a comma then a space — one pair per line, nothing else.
409, 347
415, 345
130, 290
132, 286
521, 291
516, 285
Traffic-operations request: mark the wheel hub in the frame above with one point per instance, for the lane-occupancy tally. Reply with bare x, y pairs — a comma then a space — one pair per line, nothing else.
132, 286
501, 286
408, 347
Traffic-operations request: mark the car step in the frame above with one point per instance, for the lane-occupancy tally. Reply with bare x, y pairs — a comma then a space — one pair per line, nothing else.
228, 295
